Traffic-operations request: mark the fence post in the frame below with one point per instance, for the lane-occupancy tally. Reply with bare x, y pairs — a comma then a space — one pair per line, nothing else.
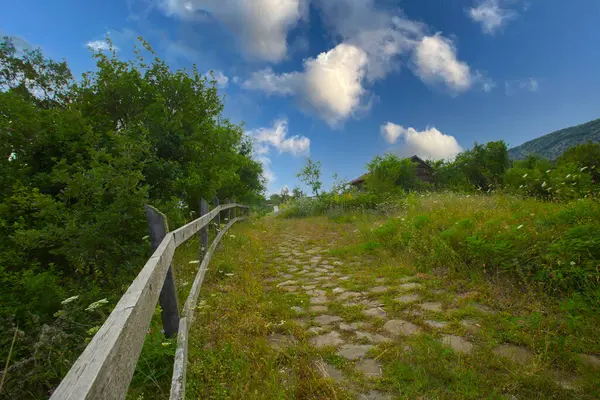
203, 231
228, 211
217, 219
158, 228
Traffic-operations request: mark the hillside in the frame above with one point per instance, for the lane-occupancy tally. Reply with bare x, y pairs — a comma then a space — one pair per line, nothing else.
554, 144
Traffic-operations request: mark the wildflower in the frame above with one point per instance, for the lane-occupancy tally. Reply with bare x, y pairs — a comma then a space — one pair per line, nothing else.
567, 177
525, 176
583, 169
548, 171
145, 237
572, 263
229, 274
165, 344
195, 261
70, 299
232, 236
544, 184
521, 187
96, 304
519, 227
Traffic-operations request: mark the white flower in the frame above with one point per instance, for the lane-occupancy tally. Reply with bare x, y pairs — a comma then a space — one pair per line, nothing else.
583, 169
548, 171
194, 262
232, 236
96, 304
519, 227
228, 274
145, 237
165, 344
70, 299
525, 176
567, 177
572, 263
521, 186
544, 184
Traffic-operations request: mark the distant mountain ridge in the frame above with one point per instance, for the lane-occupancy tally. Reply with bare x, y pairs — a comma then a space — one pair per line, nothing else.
554, 144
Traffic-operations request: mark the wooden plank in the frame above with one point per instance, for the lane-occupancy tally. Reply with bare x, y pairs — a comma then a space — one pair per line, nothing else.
158, 228
105, 368
182, 234
217, 219
203, 234
180, 364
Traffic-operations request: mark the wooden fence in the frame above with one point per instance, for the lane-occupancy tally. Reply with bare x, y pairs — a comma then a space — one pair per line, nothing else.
105, 368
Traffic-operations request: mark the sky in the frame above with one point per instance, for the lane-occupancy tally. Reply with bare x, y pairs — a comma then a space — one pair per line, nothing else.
342, 81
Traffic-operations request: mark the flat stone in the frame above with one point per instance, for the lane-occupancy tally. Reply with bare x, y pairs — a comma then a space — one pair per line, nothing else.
470, 324
354, 351
349, 295
316, 292
288, 276
410, 286
380, 280
370, 303
279, 342
400, 327
436, 324
287, 283
379, 289
332, 338
328, 371
327, 319
322, 270
318, 300
290, 289
297, 309
457, 344
316, 330
318, 309
338, 290
371, 368
591, 360
374, 395
376, 312
484, 309
431, 306
301, 323
350, 327
372, 337
519, 354
309, 287
409, 298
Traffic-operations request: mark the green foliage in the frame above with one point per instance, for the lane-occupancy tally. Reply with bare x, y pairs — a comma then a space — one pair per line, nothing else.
484, 165
310, 174
78, 161
391, 174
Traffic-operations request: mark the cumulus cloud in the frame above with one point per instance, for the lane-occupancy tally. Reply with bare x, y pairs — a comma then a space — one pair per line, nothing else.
491, 15
277, 137
99, 45
521, 85
261, 26
427, 144
435, 62
330, 85
221, 79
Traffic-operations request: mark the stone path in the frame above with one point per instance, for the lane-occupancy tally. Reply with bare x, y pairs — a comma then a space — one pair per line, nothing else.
308, 270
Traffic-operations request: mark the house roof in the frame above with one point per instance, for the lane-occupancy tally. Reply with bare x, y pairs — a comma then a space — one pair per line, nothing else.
414, 158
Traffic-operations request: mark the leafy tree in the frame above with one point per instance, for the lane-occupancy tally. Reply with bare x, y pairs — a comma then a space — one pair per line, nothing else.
390, 173
297, 193
285, 194
310, 175
275, 199
586, 157
484, 165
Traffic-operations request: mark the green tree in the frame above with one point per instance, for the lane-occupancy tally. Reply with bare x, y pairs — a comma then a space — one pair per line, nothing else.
310, 175
586, 157
297, 193
484, 165
390, 173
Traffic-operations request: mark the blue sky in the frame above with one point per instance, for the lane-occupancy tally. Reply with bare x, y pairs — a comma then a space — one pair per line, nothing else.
345, 80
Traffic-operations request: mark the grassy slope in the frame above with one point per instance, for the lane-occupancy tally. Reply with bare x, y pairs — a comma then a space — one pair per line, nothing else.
229, 352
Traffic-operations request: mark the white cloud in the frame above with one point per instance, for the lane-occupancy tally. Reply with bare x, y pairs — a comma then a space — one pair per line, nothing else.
518, 85
99, 45
488, 85
268, 173
277, 137
221, 79
430, 143
330, 85
435, 62
491, 15
261, 26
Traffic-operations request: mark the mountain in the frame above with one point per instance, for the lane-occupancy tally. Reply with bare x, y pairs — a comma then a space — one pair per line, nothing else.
553, 144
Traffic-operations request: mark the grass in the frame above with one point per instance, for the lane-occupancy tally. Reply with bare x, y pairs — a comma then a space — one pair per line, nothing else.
240, 306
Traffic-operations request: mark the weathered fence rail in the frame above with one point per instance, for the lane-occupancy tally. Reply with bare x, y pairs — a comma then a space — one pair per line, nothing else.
105, 368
